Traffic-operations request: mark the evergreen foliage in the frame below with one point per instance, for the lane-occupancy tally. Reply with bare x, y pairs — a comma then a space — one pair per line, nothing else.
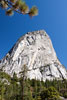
50, 94
19, 6
11, 88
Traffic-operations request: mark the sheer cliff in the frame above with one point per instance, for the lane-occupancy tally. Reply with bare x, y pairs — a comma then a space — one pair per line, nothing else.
35, 50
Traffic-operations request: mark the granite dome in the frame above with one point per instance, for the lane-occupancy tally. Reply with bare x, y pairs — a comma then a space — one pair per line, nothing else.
36, 51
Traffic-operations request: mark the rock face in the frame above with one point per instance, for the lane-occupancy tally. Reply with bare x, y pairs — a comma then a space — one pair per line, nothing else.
36, 51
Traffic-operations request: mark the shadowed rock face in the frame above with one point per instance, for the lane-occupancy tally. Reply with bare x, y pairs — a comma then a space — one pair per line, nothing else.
36, 51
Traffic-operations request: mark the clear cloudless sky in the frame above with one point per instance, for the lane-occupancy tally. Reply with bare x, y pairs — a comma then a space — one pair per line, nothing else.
52, 18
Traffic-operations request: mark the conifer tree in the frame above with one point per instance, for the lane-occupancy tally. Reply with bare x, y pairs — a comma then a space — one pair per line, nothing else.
35, 89
19, 6
2, 90
23, 74
14, 86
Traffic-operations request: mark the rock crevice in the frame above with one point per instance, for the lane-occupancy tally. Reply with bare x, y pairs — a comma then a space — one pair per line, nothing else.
36, 51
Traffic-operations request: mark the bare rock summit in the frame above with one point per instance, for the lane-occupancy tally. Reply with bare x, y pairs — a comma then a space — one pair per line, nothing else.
36, 51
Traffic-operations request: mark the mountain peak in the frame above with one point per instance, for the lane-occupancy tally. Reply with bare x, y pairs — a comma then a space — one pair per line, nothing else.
35, 50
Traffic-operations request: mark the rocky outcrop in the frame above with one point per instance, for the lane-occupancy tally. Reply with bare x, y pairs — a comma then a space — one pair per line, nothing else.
36, 51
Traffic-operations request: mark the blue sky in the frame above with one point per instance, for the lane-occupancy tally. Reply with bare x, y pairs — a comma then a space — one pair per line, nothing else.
52, 18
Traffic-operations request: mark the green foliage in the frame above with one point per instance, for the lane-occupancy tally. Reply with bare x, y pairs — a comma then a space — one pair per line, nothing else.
50, 94
2, 89
65, 95
9, 12
14, 88
19, 6
39, 98
5, 75
33, 11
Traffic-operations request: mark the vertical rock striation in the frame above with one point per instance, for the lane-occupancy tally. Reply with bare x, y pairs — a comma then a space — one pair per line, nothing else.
36, 51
